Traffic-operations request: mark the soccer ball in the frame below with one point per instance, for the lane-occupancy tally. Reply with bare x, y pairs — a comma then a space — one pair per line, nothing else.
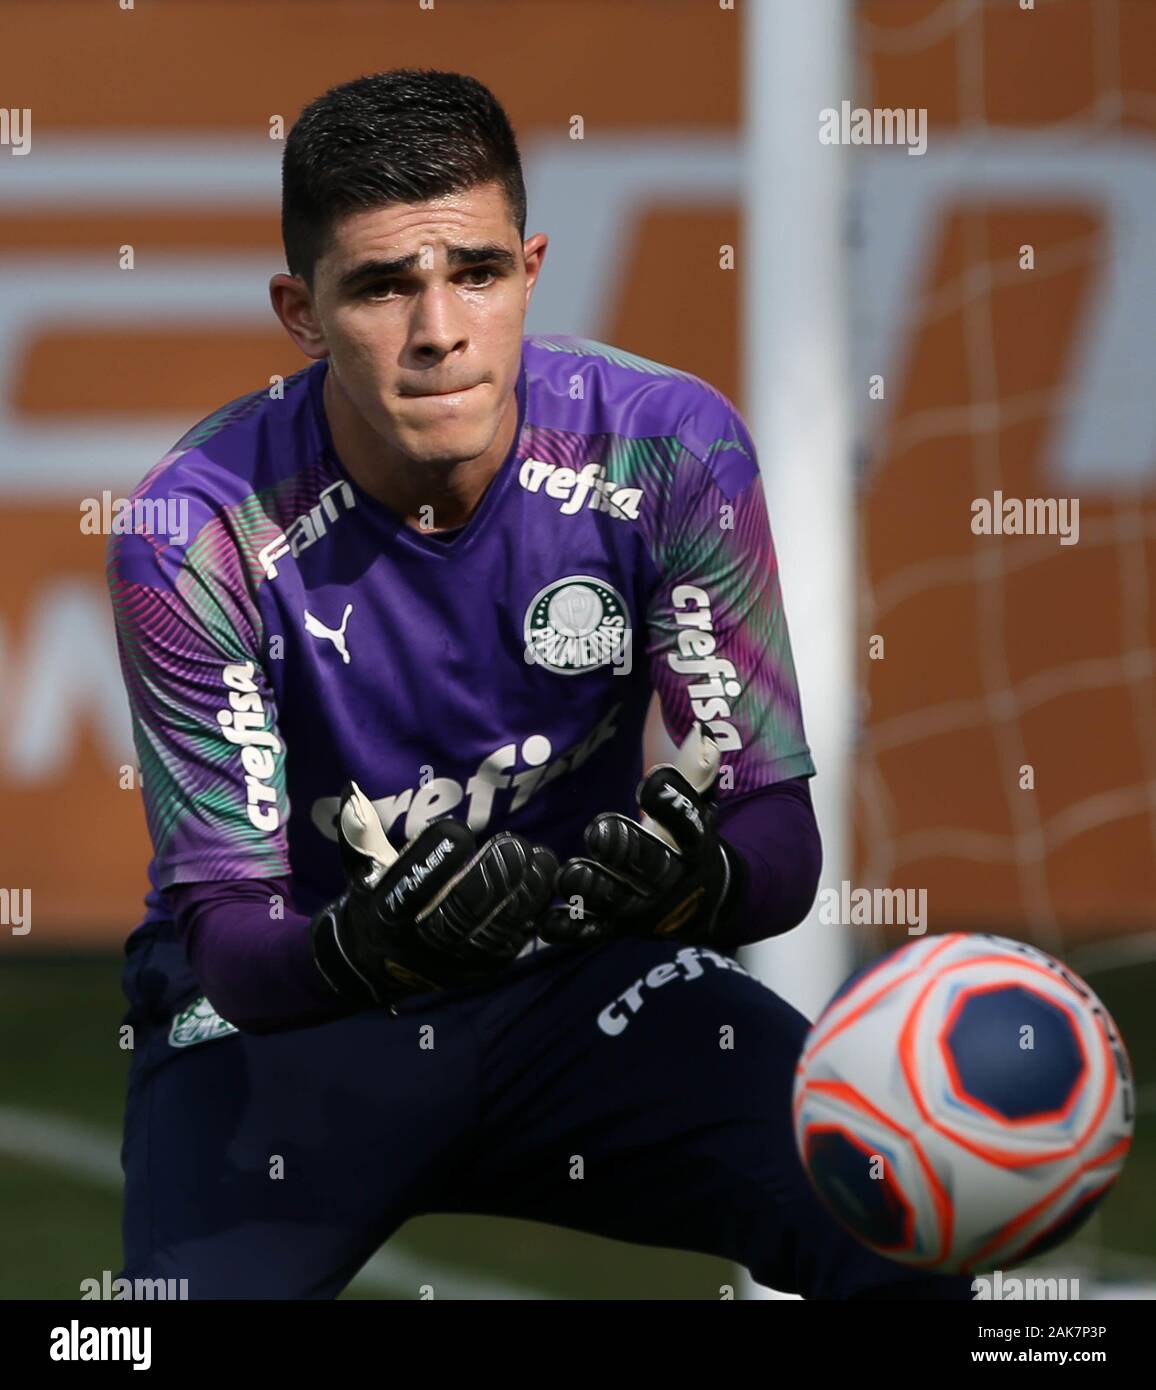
963, 1103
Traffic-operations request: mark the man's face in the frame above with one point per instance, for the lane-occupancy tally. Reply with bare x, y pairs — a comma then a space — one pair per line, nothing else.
420, 309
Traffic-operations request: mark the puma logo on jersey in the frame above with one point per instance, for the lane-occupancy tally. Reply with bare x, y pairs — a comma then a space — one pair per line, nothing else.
316, 628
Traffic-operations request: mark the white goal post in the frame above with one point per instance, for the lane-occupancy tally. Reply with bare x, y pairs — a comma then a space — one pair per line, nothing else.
793, 302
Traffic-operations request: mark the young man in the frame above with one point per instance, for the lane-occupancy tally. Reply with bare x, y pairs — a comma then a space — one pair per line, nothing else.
396, 676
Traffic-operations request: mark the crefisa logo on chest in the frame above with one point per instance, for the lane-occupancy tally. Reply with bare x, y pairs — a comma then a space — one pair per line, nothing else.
576, 624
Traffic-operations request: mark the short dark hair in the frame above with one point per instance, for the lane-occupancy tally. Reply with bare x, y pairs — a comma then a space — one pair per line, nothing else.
394, 137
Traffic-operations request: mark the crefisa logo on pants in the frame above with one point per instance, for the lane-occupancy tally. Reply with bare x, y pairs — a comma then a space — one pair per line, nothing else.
687, 965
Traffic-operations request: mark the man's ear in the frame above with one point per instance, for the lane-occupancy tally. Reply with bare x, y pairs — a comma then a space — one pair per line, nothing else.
292, 302
534, 253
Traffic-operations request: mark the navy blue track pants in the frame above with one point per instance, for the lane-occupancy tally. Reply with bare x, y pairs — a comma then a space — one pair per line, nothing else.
637, 1089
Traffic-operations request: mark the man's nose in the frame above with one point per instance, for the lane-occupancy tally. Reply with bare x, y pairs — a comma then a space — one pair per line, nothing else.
436, 326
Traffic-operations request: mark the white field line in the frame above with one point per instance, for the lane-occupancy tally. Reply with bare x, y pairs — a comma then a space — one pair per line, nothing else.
88, 1154
1115, 953
91, 1155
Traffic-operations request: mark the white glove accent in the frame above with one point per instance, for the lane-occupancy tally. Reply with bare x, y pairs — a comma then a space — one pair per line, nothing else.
364, 831
698, 760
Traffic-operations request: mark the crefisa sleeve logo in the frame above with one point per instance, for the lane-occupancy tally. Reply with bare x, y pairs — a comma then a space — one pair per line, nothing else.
243, 724
576, 624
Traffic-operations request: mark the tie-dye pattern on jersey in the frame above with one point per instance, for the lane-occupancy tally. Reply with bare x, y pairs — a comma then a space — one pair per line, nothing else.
303, 635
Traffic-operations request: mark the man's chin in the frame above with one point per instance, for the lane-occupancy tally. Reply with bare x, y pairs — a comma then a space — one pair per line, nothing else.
444, 447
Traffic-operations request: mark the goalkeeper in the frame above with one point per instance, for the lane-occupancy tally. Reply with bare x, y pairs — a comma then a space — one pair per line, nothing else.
420, 935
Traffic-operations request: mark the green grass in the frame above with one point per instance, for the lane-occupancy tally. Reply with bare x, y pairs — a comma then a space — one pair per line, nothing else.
59, 1055
1126, 1222
59, 1038
57, 1231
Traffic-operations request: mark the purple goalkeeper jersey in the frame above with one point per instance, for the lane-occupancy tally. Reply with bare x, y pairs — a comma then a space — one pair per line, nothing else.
302, 635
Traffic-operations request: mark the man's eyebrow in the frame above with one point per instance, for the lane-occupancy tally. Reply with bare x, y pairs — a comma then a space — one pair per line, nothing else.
488, 254
493, 253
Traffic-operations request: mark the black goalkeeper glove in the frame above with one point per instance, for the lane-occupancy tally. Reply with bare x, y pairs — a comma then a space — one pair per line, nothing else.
441, 913
677, 881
